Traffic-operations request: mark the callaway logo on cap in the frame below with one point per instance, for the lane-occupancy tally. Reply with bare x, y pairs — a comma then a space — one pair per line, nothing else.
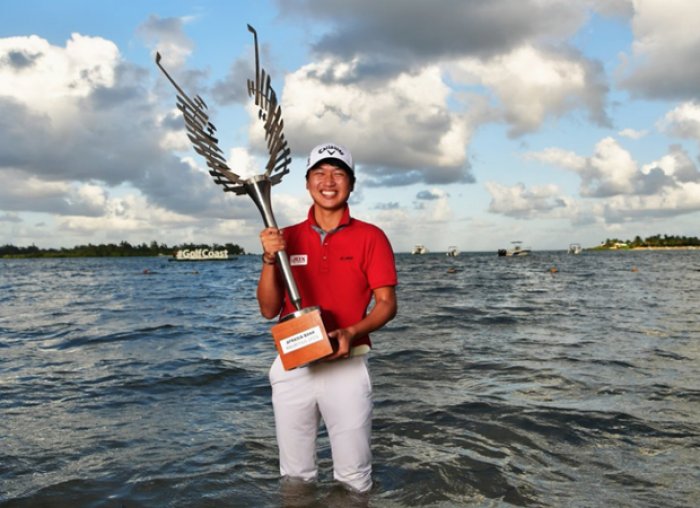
330, 151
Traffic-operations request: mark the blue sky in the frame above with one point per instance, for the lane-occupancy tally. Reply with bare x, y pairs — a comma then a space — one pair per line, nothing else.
472, 123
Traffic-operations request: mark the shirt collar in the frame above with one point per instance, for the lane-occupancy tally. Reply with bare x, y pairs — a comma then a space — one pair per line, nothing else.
344, 221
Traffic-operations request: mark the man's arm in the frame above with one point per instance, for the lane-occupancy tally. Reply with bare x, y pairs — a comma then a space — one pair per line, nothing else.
383, 311
270, 292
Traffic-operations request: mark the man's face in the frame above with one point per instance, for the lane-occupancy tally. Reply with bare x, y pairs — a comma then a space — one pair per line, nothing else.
329, 186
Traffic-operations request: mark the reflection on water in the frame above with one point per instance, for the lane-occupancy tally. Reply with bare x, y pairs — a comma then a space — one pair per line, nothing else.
502, 382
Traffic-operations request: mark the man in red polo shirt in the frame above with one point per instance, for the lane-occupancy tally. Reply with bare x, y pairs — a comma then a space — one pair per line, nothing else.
340, 264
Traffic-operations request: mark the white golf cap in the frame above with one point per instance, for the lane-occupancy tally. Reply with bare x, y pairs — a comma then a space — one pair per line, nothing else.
332, 151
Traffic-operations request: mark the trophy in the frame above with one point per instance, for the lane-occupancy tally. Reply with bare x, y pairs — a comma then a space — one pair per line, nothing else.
300, 337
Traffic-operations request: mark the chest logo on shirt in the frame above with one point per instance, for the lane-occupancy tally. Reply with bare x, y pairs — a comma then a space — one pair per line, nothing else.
299, 260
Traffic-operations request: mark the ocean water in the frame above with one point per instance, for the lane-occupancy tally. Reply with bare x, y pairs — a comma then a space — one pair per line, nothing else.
553, 380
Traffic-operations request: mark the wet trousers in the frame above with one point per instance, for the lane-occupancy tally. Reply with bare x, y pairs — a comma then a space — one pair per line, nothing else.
340, 392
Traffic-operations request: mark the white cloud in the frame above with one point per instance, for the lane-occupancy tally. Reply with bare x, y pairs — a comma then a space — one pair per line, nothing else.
532, 84
664, 27
520, 202
176, 139
559, 157
434, 205
93, 196
669, 202
440, 210
611, 170
244, 164
614, 185
677, 164
79, 115
42, 76
683, 121
123, 216
20, 193
667, 41
393, 128
632, 133
168, 37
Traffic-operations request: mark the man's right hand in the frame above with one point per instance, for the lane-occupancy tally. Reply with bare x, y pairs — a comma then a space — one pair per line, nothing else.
272, 242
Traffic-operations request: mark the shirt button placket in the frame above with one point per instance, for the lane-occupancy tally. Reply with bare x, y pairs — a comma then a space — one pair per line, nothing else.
325, 267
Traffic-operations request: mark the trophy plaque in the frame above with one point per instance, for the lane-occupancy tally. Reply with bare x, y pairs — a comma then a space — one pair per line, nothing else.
300, 337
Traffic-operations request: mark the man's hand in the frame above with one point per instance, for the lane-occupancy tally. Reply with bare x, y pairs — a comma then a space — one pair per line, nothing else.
344, 338
383, 311
272, 241
270, 291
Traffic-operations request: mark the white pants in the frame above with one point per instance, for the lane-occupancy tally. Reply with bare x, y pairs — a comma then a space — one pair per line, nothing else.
340, 392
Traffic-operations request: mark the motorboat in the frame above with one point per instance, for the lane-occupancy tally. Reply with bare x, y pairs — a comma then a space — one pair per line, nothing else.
419, 249
575, 248
452, 251
516, 250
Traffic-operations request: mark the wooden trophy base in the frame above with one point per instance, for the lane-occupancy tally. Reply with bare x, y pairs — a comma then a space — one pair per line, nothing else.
301, 338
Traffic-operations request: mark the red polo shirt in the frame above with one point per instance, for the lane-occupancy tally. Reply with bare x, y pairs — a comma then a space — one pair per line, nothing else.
337, 271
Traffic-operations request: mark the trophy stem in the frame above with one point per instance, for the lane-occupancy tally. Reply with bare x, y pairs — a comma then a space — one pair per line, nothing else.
258, 188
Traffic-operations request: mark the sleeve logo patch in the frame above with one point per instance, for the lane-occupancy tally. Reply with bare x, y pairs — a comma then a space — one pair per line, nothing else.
299, 260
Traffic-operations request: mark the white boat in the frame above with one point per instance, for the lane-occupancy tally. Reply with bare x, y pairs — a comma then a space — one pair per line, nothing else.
419, 249
575, 248
452, 251
203, 254
516, 250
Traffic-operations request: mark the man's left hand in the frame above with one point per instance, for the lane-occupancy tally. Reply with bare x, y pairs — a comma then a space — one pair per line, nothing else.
344, 337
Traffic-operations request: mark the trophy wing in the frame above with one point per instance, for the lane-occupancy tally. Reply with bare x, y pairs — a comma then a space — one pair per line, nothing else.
201, 133
270, 114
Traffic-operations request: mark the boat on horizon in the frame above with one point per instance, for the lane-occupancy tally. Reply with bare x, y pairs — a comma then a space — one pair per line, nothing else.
575, 248
517, 250
419, 249
452, 251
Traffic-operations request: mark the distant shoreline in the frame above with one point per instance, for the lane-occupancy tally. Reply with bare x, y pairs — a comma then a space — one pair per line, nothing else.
686, 247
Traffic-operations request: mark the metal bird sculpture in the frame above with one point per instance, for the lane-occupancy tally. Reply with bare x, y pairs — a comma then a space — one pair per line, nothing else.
201, 131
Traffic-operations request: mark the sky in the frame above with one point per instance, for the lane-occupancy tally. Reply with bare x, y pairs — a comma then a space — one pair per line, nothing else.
472, 123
